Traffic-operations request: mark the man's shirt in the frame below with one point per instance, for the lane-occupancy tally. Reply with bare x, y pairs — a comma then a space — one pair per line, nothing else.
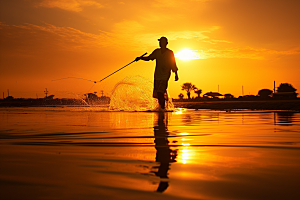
165, 62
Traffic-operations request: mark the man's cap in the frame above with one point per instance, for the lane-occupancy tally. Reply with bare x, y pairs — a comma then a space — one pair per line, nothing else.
163, 39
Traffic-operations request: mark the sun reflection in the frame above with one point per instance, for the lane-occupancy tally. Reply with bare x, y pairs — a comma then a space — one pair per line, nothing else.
179, 110
185, 155
185, 144
185, 139
184, 133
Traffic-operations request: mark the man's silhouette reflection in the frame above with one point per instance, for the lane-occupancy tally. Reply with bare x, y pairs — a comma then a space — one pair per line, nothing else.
164, 155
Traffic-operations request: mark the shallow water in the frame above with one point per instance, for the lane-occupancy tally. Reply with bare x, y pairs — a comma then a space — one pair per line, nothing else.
91, 153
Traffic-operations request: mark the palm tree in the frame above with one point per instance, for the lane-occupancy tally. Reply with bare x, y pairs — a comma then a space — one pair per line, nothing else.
188, 87
198, 92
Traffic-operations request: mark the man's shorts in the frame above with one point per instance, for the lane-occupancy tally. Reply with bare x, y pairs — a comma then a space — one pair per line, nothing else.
160, 86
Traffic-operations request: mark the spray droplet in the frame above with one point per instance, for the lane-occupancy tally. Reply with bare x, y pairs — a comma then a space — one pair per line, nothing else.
134, 94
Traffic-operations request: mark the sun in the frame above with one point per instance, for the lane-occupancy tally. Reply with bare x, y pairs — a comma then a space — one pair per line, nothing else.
187, 54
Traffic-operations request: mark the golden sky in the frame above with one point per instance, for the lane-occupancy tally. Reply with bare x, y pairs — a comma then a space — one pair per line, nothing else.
237, 43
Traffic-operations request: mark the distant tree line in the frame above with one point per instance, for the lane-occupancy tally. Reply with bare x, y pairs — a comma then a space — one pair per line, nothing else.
284, 91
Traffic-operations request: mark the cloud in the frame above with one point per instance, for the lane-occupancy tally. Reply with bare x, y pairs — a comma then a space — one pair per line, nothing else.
134, 34
32, 40
246, 52
71, 5
166, 3
29, 39
199, 36
174, 3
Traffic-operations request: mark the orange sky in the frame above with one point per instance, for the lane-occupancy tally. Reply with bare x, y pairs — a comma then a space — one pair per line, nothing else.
246, 43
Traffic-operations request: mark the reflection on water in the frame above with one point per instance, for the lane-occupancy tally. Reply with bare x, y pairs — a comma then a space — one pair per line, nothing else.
73, 153
164, 155
284, 118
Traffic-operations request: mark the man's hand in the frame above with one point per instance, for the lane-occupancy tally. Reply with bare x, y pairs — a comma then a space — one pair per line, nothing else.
176, 77
137, 59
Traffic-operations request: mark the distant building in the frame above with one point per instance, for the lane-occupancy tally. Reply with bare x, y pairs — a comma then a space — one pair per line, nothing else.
93, 99
50, 97
285, 95
228, 96
214, 95
9, 97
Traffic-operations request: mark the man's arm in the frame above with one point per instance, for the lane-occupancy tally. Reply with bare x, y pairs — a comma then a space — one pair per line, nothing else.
174, 66
147, 58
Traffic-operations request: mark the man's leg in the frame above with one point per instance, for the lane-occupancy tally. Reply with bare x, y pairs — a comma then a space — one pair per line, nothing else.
161, 99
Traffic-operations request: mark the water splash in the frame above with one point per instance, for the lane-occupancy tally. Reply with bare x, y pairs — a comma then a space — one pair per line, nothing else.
135, 94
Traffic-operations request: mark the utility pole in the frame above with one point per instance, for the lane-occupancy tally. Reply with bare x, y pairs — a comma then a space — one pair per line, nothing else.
274, 87
242, 90
46, 92
101, 93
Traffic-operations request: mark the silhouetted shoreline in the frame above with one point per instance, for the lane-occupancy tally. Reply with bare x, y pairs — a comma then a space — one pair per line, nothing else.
235, 105
47, 102
220, 104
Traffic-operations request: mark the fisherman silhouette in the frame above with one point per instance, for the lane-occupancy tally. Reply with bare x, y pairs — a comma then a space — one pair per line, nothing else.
164, 155
165, 63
